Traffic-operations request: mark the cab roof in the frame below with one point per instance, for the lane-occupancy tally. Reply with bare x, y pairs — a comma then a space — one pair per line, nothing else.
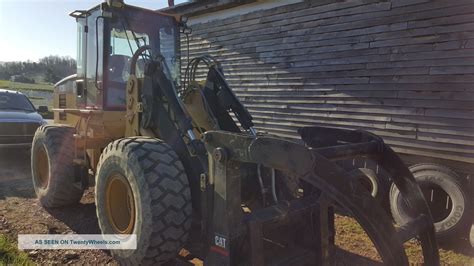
84, 13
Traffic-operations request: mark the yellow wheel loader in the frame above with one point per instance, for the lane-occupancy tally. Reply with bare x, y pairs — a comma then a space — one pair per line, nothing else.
177, 161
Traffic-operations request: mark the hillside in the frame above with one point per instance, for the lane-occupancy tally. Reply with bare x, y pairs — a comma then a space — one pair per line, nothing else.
48, 69
20, 86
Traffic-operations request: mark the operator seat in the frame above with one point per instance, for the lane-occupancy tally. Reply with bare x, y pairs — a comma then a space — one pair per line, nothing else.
117, 80
140, 69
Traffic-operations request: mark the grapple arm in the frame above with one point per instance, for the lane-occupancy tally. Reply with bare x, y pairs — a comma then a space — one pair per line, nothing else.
350, 143
313, 165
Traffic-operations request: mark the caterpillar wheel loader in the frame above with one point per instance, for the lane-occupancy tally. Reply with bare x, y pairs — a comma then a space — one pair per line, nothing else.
178, 163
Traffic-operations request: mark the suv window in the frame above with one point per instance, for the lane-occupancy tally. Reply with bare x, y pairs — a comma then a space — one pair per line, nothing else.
14, 101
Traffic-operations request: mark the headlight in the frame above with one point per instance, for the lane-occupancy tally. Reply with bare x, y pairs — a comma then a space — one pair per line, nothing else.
43, 122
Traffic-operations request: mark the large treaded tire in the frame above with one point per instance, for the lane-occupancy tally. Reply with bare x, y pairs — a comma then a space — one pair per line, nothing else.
161, 197
59, 186
459, 219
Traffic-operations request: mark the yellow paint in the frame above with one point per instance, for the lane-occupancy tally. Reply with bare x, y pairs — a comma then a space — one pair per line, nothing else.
193, 101
132, 125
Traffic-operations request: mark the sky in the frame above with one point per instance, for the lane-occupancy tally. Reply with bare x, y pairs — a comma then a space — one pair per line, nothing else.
31, 29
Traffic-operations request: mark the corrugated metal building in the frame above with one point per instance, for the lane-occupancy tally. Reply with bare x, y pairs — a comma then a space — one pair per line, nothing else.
402, 69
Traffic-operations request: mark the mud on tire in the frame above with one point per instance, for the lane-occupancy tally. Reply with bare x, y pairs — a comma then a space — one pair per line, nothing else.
52, 167
161, 198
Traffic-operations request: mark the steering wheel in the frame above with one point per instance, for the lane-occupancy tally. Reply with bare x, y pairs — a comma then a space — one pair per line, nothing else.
133, 61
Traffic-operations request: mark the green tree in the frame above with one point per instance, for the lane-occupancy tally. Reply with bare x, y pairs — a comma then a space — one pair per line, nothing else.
50, 68
50, 76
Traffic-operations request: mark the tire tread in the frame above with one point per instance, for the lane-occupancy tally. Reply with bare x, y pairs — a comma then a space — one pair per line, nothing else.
62, 188
161, 166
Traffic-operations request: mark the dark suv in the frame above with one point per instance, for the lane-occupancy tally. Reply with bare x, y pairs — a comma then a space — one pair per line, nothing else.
18, 119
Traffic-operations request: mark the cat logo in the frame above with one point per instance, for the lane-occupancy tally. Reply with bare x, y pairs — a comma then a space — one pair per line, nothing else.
220, 241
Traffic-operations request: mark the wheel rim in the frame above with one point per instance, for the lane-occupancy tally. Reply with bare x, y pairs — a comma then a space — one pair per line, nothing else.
367, 184
120, 204
439, 202
42, 167
365, 177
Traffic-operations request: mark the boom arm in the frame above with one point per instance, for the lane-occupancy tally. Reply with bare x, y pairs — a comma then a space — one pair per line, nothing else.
226, 97
165, 117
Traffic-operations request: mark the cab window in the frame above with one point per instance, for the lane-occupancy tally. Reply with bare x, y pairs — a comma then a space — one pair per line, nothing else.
94, 66
123, 44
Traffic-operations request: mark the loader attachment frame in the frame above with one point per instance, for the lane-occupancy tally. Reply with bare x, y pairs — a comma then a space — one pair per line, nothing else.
312, 164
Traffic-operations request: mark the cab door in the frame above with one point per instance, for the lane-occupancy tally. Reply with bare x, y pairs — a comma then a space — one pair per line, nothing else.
92, 97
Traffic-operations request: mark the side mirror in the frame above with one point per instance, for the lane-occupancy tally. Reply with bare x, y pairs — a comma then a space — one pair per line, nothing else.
43, 109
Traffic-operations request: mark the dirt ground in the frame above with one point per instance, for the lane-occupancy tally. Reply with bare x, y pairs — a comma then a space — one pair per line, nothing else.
20, 213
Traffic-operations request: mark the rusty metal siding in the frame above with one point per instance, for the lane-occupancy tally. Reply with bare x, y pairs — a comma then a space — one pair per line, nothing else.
403, 69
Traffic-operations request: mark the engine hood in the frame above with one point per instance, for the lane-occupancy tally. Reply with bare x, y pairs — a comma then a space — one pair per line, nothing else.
20, 116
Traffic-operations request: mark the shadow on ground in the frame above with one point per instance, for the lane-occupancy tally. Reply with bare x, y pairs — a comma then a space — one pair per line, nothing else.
81, 218
459, 245
345, 257
16, 188
15, 182
15, 174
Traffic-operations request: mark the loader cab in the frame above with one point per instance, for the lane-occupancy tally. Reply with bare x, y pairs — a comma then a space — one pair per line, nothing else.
107, 38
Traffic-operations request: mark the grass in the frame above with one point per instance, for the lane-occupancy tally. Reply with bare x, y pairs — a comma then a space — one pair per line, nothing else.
25, 86
350, 236
10, 255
